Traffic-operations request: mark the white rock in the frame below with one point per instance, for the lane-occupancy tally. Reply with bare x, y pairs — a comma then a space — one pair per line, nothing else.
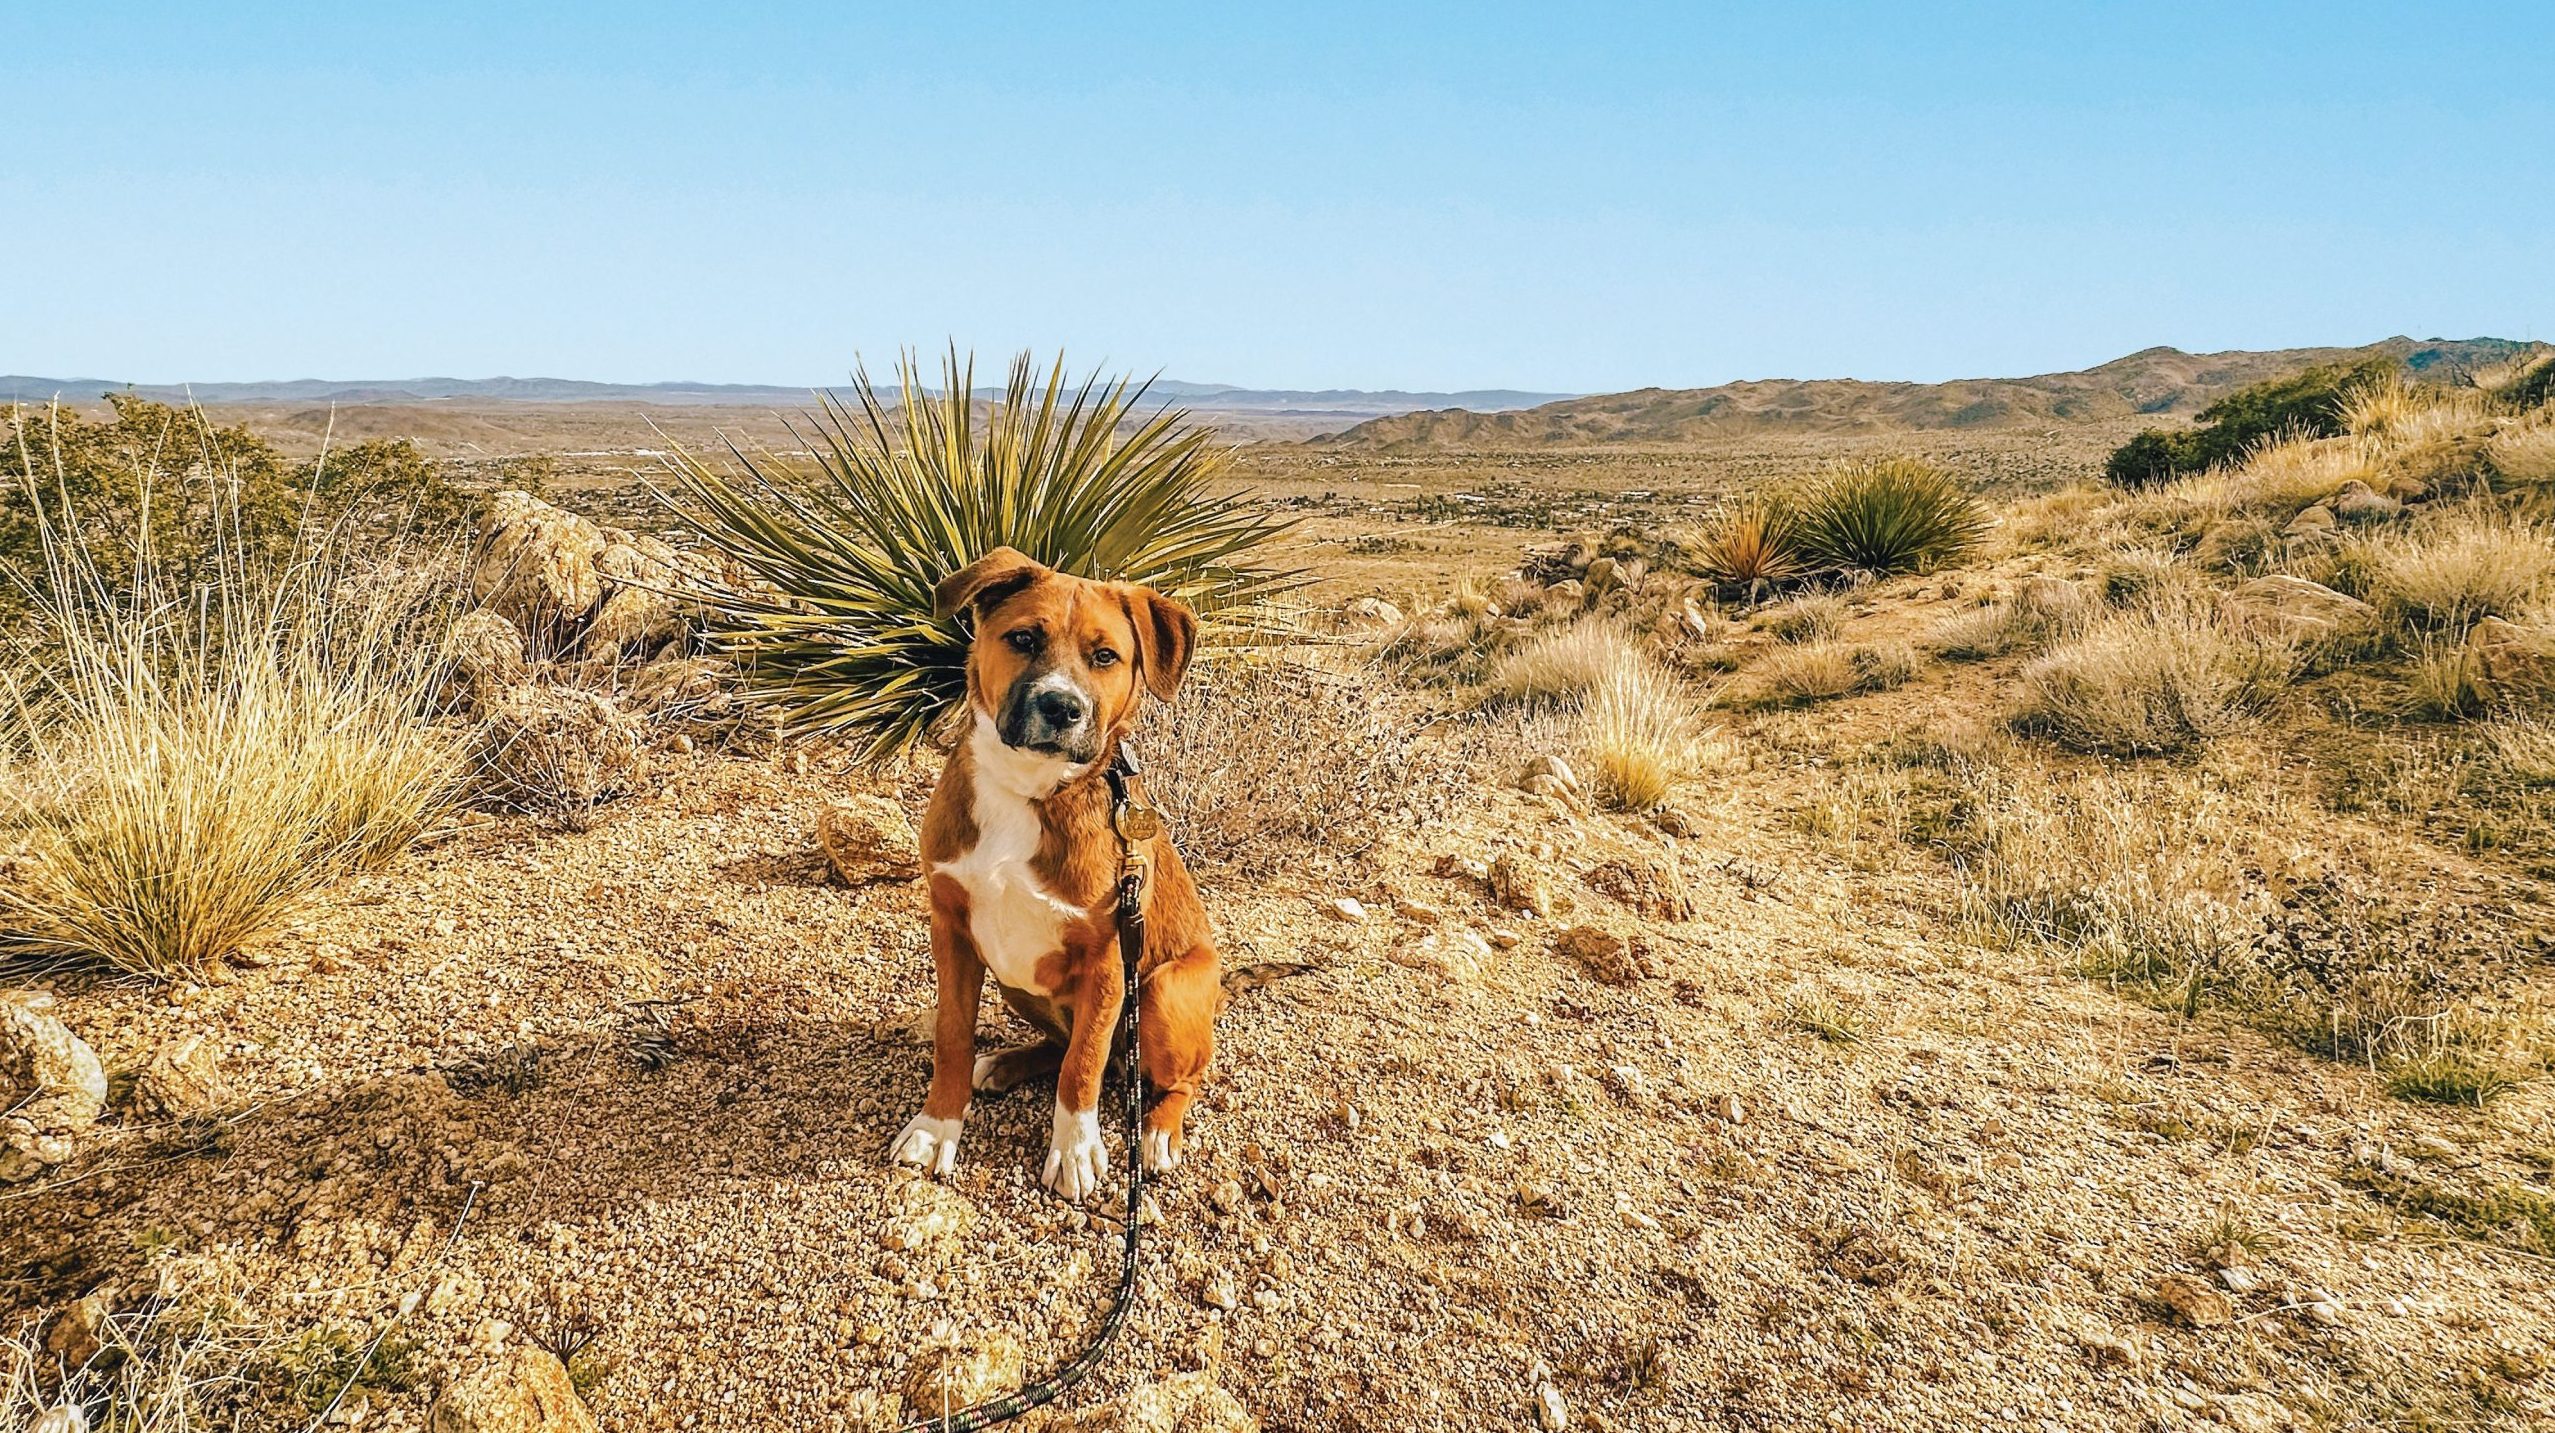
1346, 908
1551, 1411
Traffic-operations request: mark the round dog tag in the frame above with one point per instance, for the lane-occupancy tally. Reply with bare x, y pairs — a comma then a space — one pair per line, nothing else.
1139, 823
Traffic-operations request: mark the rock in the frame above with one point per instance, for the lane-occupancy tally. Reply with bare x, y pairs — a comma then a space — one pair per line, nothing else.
1550, 789
1420, 911
2511, 663
1370, 613
2358, 502
1452, 865
2323, 1311
1690, 617
485, 653
868, 842
1219, 1293
637, 615
1181, 1403
1226, 1195
1451, 955
1552, 766
525, 1391
2239, 1279
1502, 938
1345, 908
2193, 1301
1649, 885
944, 1380
62, 1418
2311, 525
2252, 1413
559, 748
51, 1086
1516, 886
535, 566
1673, 821
182, 1080
1728, 1110
1601, 576
1567, 591
1600, 954
82, 1331
676, 680
1552, 1412
2295, 608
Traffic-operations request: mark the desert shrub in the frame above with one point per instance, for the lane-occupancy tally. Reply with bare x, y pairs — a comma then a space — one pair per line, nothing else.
2522, 383
2395, 407
196, 763
2152, 679
1815, 618
194, 498
2523, 459
1562, 665
1748, 548
1638, 735
1809, 672
1352, 768
2309, 402
1893, 515
833, 623
2467, 562
2039, 613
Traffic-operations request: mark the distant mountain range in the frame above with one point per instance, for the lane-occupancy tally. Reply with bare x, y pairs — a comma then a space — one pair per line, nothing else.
1349, 403
2163, 382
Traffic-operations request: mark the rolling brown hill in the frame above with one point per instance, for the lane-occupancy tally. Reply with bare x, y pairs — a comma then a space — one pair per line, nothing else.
2165, 382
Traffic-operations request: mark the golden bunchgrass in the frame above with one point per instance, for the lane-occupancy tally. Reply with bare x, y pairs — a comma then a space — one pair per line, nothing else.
2468, 562
2155, 678
192, 766
1638, 733
1562, 665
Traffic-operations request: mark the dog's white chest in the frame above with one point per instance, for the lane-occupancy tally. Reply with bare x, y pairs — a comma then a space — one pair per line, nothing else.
1015, 921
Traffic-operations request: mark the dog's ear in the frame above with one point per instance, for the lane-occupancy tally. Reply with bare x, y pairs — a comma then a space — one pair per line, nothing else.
985, 581
1166, 637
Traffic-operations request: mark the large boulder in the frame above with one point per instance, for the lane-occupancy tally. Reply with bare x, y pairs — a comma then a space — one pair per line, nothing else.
535, 566
527, 1391
638, 614
51, 1086
2297, 609
485, 654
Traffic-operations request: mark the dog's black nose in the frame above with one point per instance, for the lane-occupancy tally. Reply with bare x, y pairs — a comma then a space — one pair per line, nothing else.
1057, 709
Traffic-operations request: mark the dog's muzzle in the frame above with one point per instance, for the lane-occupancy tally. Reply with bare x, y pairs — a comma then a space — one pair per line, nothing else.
1050, 715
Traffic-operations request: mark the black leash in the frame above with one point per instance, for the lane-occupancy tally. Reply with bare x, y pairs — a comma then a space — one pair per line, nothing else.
1136, 822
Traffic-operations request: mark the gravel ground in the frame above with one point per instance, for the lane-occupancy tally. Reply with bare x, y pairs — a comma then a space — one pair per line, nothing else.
1423, 1192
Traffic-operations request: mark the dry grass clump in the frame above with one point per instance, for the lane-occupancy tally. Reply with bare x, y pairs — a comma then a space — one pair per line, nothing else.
2524, 747
1269, 760
2157, 678
1814, 672
2407, 412
193, 766
2038, 614
1563, 665
1818, 617
2523, 458
1638, 735
2467, 562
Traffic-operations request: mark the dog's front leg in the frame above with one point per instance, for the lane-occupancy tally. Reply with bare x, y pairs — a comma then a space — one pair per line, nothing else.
1077, 1157
930, 1140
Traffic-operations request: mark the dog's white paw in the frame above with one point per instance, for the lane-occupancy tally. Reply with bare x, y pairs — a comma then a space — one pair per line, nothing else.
1161, 1156
984, 1066
928, 1144
1077, 1158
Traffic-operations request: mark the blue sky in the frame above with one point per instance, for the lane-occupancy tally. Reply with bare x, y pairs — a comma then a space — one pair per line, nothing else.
1572, 197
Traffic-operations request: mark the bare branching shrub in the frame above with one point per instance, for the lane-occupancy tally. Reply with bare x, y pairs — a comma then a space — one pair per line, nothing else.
1638, 734
2152, 679
1563, 665
197, 763
1263, 763
2467, 562
1818, 617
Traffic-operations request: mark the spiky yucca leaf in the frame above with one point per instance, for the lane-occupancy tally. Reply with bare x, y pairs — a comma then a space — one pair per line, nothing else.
1893, 515
833, 622
1749, 546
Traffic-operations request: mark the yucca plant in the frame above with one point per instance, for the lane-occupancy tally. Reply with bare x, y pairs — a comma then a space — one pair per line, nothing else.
832, 622
1893, 515
1749, 548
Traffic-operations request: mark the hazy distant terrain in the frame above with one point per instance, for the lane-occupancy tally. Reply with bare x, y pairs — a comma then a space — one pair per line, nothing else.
2161, 381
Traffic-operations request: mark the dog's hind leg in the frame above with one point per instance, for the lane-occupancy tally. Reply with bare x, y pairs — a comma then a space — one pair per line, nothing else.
1006, 1070
1175, 1036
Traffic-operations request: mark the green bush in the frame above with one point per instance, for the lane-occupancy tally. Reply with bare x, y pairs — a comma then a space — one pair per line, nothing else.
1894, 515
835, 626
2308, 402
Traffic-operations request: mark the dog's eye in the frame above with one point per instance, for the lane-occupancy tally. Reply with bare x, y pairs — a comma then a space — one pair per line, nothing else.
1024, 639
1103, 657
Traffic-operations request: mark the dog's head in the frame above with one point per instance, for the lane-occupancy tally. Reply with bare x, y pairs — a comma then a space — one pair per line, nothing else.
1059, 663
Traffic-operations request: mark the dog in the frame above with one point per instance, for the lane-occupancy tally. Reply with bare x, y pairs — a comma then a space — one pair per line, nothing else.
1023, 861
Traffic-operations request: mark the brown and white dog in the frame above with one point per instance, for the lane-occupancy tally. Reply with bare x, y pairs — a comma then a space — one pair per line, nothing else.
1024, 861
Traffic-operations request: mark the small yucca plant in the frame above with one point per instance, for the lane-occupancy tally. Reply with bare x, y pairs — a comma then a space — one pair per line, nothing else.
1894, 515
1749, 548
832, 621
